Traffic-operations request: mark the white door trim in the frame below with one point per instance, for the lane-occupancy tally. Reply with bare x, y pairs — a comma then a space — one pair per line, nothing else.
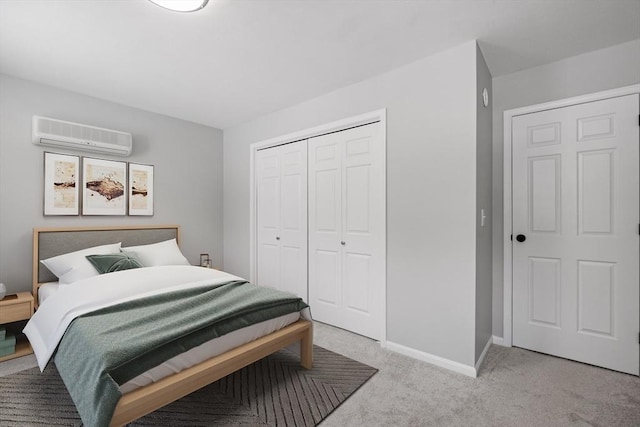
507, 189
362, 119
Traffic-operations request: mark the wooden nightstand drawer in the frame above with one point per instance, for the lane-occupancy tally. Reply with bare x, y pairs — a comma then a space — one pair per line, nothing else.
16, 307
15, 312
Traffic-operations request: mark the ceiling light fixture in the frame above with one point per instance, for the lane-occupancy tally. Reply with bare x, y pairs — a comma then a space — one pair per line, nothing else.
181, 5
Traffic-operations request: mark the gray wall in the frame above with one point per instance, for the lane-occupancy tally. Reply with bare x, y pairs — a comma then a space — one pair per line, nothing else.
483, 189
431, 193
188, 172
599, 70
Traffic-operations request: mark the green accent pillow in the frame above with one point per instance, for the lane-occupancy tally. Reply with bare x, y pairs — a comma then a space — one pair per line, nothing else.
109, 263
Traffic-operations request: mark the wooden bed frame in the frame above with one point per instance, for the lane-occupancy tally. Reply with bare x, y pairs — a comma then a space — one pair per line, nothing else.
144, 400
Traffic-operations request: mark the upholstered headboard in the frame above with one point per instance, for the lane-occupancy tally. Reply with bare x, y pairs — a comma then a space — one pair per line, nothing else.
53, 241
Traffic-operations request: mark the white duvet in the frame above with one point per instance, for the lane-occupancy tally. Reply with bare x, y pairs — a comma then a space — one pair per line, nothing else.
49, 323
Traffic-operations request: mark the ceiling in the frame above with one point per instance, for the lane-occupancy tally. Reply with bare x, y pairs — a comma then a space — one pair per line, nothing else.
236, 60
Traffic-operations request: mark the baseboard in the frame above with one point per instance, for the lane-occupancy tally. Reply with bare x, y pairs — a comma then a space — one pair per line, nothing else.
458, 367
499, 341
483, 354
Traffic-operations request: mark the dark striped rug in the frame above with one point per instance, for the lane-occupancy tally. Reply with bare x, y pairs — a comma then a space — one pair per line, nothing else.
274, 391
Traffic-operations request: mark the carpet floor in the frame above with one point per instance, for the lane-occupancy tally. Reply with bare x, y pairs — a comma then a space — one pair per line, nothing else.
274, 391
514, 388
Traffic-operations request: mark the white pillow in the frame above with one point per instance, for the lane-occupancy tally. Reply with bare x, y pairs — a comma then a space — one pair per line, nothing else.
62, 264
77, 273
163, 253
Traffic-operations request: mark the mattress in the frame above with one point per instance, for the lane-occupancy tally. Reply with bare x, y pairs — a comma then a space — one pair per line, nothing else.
200, 353
208, 350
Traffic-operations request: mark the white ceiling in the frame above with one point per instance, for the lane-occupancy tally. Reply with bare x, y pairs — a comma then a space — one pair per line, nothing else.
239, 59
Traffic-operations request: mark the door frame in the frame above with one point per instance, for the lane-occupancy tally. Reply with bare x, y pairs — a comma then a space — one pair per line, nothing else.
508, 115
335, 126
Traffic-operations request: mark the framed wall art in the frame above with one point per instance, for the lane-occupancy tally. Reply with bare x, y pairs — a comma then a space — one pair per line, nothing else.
140, 189
103, 187
61, 184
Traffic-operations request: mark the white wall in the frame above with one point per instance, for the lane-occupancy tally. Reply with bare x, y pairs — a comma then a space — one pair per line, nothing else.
431, 193
603, 69
188, 172
483, 201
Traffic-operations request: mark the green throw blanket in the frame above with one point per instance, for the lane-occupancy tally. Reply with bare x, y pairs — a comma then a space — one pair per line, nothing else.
109, 347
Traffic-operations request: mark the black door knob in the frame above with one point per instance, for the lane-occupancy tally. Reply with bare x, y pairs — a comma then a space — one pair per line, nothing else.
521, 238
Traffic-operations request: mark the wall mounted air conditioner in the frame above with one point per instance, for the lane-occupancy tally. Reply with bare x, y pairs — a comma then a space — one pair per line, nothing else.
74, 136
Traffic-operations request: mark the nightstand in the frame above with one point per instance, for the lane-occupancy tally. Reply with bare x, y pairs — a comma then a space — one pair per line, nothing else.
13, 308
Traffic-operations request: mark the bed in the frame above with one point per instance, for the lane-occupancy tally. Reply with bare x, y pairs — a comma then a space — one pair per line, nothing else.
155, 389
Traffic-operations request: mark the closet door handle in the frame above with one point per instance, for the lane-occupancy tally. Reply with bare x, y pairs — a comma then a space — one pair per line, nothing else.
277, 238
343, 243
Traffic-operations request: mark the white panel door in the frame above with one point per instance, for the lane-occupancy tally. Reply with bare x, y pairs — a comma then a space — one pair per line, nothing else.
281, 217
575, 233
325, 229
347, 230
293, 222
267, 164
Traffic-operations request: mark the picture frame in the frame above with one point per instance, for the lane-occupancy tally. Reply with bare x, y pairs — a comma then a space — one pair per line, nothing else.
140, 189
104, 187
61, 184
205, 260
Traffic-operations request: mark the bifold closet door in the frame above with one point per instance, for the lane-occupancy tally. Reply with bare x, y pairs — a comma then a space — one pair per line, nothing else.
347, 230
281, 217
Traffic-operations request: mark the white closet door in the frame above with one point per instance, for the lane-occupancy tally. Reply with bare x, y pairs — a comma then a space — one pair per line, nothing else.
325, 229
575, 225
347, 230
268, 217
293, 218
281, 218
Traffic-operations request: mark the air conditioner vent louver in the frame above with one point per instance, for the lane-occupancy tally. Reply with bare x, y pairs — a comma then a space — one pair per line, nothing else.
75, 136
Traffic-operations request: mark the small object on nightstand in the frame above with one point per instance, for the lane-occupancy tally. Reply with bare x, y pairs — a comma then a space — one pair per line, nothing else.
3, 290
206, 261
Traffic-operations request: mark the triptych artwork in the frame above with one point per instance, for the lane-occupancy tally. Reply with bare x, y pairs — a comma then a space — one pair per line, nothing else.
102, 187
